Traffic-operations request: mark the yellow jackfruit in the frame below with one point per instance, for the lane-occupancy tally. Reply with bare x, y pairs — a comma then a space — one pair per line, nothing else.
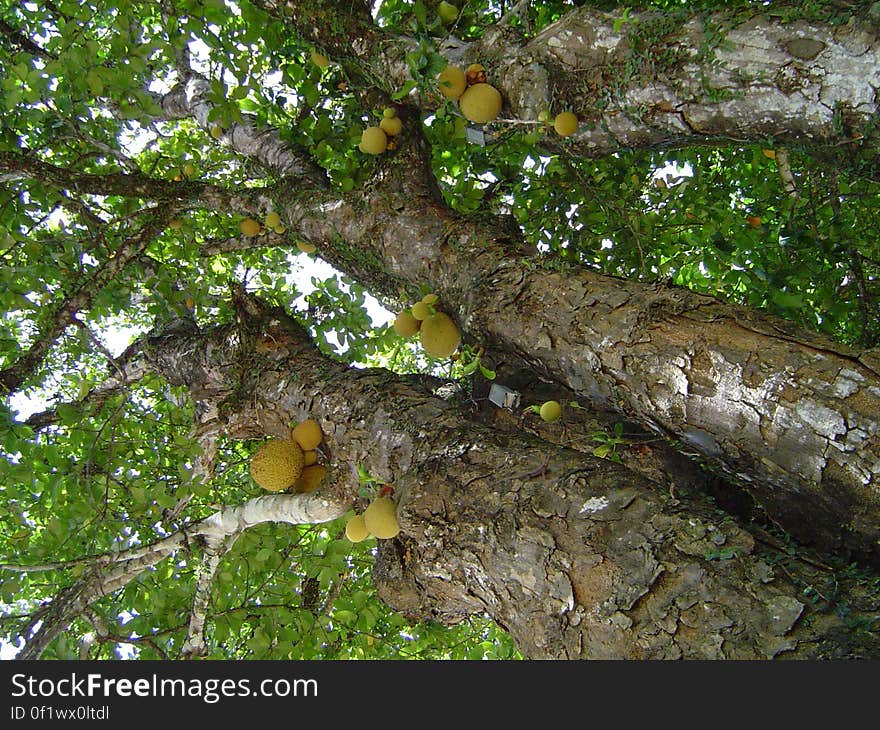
391, 126
307, 434
373, 141
380, 518
439, 335
277, 464
551, 410
249, 227
452, 82
406, 325
273, 220
310, 478
421, 310
356, 529
565, 124
481, 103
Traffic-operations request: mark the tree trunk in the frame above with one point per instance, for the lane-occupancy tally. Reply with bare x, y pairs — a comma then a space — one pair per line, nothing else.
576, 556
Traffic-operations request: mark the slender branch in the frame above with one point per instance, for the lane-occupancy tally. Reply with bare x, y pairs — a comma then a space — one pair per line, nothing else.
194, 645
24, 42
26, 165
864, 296
784, 166
112, 572
12, 377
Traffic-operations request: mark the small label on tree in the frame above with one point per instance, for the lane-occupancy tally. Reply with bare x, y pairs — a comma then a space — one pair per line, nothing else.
475, 136
503, 397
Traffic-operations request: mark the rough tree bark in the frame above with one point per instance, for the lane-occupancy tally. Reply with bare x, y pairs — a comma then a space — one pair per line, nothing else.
648, 79
792, 415
577, 557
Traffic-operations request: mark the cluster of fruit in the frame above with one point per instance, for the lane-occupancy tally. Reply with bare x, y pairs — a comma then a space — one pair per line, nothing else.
377, 139
437, 332
272, 222
480, 102
292, 462
378, 520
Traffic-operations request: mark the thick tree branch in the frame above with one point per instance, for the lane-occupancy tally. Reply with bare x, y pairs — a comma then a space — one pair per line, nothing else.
193, 99
24, 166
791, 414
659, 80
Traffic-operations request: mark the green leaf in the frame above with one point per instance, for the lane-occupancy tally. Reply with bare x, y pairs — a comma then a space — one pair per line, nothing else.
602, 450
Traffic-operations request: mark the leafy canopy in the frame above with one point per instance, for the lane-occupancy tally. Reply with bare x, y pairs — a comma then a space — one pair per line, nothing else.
83, 91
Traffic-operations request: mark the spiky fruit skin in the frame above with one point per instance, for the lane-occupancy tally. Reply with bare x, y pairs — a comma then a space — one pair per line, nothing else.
356, 529
309, 479
406, 325
551, 411
307, 434
452, 82
439, 335
421, 310
249, 227
481, 103
475, 74
565, 124
447, 11
306, 247
273, 220
277, 464
373, 141
380, 518
391, 126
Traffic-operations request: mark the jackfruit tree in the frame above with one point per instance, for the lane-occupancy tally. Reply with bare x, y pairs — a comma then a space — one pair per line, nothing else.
662, 219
